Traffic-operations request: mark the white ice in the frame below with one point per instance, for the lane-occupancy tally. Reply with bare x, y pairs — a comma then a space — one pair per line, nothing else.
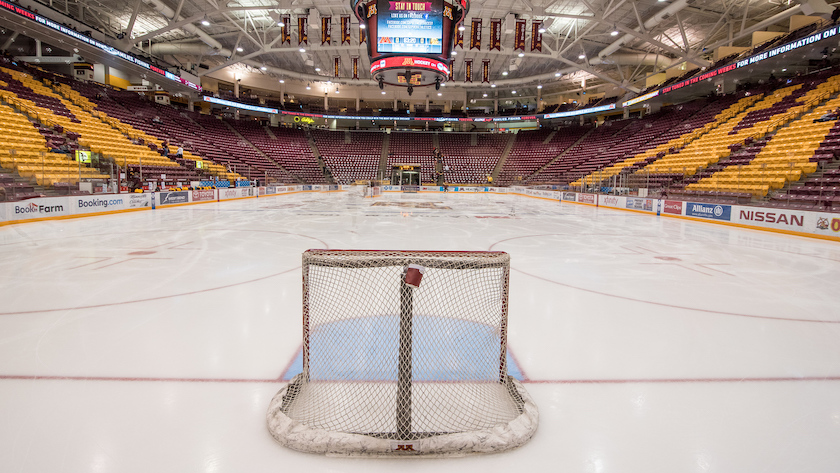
153, 341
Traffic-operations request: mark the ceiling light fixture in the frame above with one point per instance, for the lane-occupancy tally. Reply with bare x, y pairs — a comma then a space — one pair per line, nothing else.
521, 54
484, 95
239, 50
461, 28
263, 68
582, 56
308, 88
439, 94
362, 26
383, 92
558, 74
504, 73
493, 86
205, 21
317, 69
282, 81
302, 50
539, 86
454, 53
542, 29
513, 91
614, 32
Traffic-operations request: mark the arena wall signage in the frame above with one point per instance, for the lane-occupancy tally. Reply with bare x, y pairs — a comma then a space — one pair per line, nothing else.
243, 106
754, 59
24, 13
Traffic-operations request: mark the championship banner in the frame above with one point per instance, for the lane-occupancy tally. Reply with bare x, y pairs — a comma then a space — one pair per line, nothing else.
362, 37
287, 30
345, 29
336, 66
326, 30
485, 70
468, 70
519, 35
302, 36
452, 70
355, 67
536, 36
496, 34
459, 39
475, 34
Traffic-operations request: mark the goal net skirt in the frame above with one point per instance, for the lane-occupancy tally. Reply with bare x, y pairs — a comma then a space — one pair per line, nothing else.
404, 353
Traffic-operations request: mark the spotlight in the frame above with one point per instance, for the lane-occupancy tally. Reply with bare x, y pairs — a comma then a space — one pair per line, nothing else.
521, 54
557, 74
542, 29
539, 86
513, 92
362, 26
484, 95
454, 53
439, 94
582, 56
205, 22
504, 73
239, 50
282, 81
317, 69
461, 28
263, 68
493, 85
302, 50
614, 33
383, 92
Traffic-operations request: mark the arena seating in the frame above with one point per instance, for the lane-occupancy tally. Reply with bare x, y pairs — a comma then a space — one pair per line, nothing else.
471, 157
413, 148
530, 151
289, 148
350, 155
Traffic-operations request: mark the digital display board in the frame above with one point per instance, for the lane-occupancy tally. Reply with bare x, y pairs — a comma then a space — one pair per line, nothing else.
414, 27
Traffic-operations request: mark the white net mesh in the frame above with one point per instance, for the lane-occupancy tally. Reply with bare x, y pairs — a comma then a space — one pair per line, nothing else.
385, 363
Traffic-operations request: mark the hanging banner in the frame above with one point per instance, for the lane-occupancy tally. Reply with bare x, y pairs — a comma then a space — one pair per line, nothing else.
485, 70
459, 39
371, 9
536, 36
475, 34
519, 35
336, 66
355, 67
326, 30
302, 36
452, 70
468, 70
345, 29
496, 34
362, 37
287, 30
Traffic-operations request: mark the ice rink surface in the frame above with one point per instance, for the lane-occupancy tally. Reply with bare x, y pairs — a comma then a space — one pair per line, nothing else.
153, 341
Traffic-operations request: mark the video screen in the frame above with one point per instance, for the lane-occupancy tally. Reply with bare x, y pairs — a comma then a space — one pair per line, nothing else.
414, 27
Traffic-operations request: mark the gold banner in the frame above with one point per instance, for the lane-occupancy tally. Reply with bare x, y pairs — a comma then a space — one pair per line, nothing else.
355, 67
302, 36
459, 39
362, 37
336, 66
485, 70
475, 34
468, 70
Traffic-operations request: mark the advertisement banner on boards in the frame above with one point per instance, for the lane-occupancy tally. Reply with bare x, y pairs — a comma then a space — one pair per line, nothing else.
85, 204
636, 203
570, 197
674, 207
38, 208
781, 219
203, 194
712, 211
587, 198
825, 224
169, 198
611, 201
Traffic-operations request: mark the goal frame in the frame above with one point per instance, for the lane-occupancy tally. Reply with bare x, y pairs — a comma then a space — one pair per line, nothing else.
503, 436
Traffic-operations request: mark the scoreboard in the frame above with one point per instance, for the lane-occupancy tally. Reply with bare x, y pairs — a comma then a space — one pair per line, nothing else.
412, 27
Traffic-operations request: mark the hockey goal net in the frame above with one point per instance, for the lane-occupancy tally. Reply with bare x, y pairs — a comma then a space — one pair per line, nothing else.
403, 352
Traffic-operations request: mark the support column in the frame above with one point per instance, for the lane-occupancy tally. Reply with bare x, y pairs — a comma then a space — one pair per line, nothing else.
191, 104
626, 113
37, 48
326, 101
395, 102
106, 71
358, 106
236, 88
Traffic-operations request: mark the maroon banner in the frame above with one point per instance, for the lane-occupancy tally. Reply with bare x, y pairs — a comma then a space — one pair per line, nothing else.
345, 29
336, 66
475, 34
362, 37
302, 36
371, 10
519, 35
496, 34
485, 70
355, 67
287, 29
536, 36
326, 30
452, 70
459, 39
468, 70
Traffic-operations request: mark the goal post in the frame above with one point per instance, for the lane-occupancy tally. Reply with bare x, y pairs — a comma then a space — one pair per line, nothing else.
404, 352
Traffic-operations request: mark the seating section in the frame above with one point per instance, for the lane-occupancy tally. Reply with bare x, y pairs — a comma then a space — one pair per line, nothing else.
471, 157
350, 155
788, 155
413, 148
24, 149
534, 149
287, 147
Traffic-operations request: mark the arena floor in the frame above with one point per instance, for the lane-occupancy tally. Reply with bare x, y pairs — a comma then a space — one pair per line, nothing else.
153, 341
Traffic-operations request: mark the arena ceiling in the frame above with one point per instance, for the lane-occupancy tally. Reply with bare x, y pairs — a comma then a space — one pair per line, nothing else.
616, 43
